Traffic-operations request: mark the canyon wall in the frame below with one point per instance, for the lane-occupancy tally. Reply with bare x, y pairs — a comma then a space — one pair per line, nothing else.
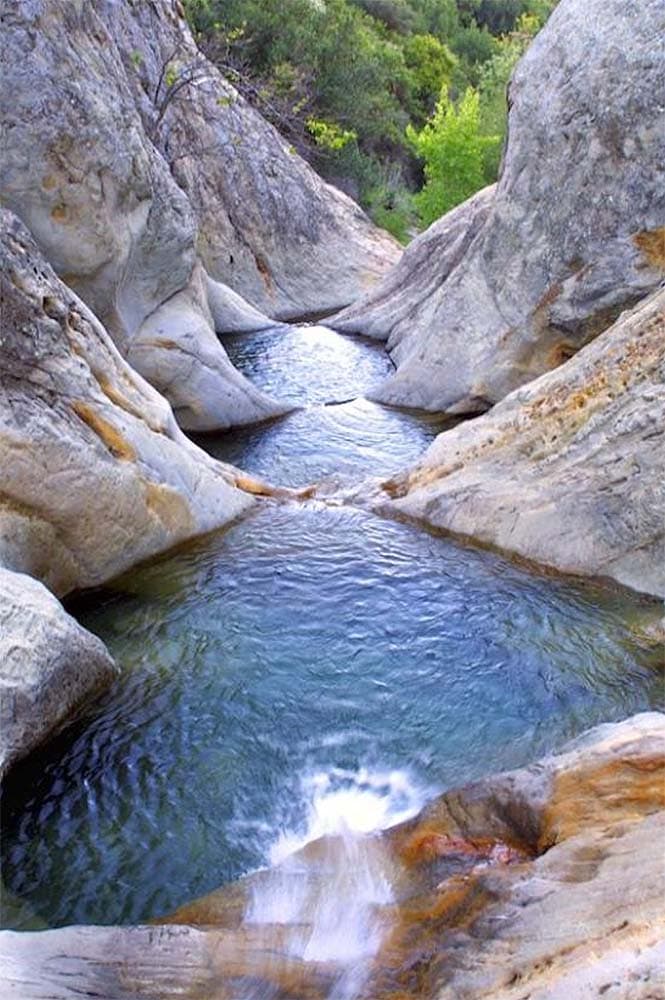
164, 201
513, 282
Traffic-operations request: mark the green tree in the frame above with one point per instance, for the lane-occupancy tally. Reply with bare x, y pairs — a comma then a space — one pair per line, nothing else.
430, 64
342, 80
453, 151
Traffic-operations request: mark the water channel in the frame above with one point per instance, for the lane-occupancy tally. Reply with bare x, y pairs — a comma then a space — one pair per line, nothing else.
311, 669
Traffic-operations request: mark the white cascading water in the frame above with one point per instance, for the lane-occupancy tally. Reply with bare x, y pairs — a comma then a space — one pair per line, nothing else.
330, 896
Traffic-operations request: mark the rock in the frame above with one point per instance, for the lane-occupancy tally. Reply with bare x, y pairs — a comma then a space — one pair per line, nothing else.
572, 909
585, 917
80, 170
77, 424
388, 312
127, 189
269, 227
49, 666
506, 287
568, 470
177, 351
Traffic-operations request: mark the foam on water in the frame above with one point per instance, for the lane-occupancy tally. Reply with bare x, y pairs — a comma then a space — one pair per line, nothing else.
332, 896
343, 803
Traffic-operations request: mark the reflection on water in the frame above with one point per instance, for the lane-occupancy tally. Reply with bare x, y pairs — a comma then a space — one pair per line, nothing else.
328, 443
336, 433
309, 364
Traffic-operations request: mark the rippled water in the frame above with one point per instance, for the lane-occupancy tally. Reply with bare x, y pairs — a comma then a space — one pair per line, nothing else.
335, 433
306, 655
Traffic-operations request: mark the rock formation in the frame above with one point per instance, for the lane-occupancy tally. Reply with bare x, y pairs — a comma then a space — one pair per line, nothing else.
508, 285
50, 666
568, 470
519, 884
96, 473
147, 182
96, 476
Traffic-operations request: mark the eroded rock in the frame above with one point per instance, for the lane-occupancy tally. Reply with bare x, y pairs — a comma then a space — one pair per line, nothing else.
269, 227
96, 474
49, 666
506, 287
568, 470
132, 185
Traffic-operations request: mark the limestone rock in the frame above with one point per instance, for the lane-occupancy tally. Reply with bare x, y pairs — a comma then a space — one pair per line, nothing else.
584, 918
568, 470
127, 189
269, 227
411, 290
505, 288
96, 474
49, 666
572, 909
79, 169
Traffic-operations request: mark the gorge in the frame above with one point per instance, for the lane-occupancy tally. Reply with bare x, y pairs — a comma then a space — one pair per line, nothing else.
402, 601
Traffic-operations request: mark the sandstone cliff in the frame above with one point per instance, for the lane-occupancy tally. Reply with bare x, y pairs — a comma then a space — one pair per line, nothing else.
512, 283
568, 470
147, 182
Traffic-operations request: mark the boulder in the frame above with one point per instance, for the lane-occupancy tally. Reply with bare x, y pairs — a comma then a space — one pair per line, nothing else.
545, 881
507, 286
96, 474
151, 200
50, 666
566, 471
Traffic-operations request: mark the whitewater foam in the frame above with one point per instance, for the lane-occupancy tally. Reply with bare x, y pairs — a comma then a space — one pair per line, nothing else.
332, 897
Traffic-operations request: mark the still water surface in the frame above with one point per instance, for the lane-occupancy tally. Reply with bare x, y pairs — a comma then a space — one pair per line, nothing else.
310, 654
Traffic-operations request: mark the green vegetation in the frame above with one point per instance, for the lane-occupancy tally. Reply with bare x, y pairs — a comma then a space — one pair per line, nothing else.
453, 151
400, 101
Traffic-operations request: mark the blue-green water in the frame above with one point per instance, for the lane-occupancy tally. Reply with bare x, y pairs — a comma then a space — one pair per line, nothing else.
306, 643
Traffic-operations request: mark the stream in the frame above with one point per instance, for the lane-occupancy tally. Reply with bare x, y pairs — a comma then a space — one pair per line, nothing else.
313, 669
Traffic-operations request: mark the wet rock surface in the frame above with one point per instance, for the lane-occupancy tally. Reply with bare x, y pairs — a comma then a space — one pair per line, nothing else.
542, 881
509, 285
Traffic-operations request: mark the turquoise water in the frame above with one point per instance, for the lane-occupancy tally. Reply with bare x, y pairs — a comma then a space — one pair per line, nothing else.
306, 644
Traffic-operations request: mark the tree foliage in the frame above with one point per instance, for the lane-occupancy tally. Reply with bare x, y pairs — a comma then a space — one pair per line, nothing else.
454, 153
364, 89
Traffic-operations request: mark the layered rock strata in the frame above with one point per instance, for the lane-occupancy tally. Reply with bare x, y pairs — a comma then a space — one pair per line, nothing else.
509, 285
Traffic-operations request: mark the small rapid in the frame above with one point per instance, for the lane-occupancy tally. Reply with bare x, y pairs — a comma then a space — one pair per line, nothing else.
331, 899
